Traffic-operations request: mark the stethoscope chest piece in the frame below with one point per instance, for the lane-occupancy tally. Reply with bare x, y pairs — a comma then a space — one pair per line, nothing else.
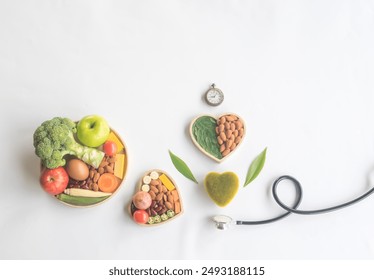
222, 222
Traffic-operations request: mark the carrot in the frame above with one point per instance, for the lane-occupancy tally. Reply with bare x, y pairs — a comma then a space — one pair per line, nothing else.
108, 183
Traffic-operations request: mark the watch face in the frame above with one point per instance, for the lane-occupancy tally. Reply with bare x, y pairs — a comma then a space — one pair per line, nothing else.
214, 96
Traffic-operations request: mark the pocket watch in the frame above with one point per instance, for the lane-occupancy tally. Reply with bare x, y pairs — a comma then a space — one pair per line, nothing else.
214, 96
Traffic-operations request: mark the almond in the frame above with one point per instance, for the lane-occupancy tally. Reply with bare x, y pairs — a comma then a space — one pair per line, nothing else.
164, 189
112, 159
225, 152
154, 189
228, 133
103, 163
96, 177
238, 124
159, 187
219, 139
229, 144
222, 148
232, 126
237, 140
108, 169
222, 120
221, 128
223, 136
231, 118
169, 205
154, 182
160, 196
152, 194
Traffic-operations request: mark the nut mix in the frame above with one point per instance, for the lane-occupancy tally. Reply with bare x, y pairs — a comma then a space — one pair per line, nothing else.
229, 131
106, 166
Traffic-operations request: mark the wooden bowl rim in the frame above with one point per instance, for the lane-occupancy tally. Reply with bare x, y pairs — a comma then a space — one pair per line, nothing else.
217, 118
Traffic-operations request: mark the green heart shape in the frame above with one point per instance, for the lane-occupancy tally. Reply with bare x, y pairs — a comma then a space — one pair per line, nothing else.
203, 133
221, 188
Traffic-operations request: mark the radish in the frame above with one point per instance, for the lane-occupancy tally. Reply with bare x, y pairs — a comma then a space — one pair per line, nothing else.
142, 200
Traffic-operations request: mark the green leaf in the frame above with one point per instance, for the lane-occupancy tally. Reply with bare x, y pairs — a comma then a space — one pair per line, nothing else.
204, 132
182, 167
255, 167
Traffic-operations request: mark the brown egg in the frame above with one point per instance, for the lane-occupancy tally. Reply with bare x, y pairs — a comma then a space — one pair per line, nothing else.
77, 169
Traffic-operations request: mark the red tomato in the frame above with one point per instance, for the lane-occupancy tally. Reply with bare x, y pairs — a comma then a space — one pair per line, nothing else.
110, 148
54, 181
141, 216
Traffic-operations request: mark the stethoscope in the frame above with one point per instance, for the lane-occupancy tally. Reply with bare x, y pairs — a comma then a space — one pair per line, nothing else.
223, 222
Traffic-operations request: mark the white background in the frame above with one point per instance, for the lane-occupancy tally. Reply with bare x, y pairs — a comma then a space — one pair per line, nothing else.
299, 72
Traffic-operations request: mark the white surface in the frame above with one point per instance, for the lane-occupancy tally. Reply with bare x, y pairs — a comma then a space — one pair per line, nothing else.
299, 72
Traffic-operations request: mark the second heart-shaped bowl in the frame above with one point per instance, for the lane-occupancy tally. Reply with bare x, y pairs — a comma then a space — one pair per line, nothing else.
217, 137
156, 200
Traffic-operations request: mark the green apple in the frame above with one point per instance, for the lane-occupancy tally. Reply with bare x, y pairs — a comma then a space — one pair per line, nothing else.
92, 131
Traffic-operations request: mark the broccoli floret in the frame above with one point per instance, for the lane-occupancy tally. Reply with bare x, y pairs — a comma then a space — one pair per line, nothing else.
54, 139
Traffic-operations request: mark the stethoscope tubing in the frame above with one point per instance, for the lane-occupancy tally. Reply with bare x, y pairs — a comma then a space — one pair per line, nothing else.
299, 195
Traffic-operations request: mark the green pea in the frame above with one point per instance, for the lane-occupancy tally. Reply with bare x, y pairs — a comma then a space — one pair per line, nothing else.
170, 213
157, 219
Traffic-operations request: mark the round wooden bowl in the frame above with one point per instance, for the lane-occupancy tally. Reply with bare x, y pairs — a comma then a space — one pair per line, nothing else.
123, 152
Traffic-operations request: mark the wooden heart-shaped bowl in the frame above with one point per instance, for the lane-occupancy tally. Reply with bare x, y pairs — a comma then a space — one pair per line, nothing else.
157, 199
91, 191
217, 137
